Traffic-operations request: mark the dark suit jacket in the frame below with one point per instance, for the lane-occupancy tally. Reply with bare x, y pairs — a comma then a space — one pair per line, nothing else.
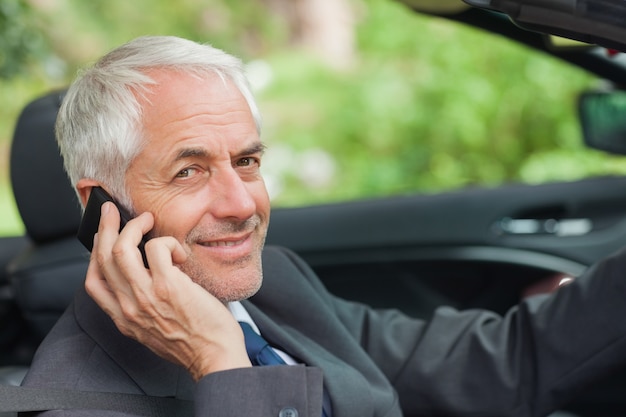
372, 363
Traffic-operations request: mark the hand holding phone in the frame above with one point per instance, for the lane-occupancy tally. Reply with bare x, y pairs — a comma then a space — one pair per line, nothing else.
91, 220
180, 307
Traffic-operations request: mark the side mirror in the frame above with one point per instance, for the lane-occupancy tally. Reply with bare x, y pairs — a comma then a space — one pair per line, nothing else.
603, 119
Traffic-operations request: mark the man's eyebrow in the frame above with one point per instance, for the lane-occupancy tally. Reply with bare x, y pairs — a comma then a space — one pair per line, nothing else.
258, 147
186, 153
191, 153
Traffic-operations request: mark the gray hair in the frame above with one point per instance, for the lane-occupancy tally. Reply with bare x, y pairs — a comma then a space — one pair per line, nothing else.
99, 129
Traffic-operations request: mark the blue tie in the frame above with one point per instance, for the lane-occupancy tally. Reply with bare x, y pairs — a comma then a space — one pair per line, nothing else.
259, 351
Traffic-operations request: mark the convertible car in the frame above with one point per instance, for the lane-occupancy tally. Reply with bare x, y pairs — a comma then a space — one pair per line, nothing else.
472, 248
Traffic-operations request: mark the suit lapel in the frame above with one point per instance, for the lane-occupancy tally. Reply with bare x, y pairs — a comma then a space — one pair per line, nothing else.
345, 385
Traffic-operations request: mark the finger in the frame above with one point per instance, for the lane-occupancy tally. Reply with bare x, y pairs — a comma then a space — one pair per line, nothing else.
164, 252
97, 287
117, 294
107, 253
107, 234
126, 248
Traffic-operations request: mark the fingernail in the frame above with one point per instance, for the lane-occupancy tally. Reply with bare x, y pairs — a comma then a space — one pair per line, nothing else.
104, 209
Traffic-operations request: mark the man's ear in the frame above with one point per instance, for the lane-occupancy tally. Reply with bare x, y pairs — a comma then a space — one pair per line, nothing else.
84, 186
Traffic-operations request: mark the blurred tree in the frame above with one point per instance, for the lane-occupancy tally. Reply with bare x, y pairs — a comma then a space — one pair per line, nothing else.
20, 37
324, 27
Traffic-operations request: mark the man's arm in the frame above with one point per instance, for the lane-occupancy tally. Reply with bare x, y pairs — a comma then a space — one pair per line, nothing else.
536, 358
261, 391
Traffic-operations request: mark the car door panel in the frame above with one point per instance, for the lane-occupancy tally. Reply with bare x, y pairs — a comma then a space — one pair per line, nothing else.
429, 237
476, 248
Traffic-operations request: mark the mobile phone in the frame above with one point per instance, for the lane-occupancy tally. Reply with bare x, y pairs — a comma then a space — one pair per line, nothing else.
91, 219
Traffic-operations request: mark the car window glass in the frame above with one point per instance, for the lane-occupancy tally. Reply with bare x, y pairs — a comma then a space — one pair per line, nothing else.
437, 107
416, 105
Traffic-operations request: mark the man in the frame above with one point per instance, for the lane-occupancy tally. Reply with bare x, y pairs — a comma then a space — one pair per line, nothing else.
170, 129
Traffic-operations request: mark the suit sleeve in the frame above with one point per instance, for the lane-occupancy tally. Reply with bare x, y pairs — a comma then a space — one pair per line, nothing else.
537, 357
260, 391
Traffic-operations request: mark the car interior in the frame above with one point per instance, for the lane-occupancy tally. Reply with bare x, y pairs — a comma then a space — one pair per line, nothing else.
51, 264
44, 274
413, 253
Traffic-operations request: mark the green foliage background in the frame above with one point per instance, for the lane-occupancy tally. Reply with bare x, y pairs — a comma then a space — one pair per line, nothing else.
427, 106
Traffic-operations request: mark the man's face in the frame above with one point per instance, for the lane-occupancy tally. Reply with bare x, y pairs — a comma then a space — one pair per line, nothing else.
198, 174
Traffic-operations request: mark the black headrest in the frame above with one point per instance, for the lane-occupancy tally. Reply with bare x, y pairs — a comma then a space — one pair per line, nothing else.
45, 199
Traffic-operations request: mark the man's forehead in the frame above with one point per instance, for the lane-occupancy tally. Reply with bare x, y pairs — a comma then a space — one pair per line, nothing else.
195, 107
173, 84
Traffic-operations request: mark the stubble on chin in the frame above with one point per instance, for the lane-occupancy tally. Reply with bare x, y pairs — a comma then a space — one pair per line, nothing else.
228, 281
239, 282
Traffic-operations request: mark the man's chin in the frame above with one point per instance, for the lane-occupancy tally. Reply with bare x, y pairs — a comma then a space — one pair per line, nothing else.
226, 279
226, 284
240, 295
237, 292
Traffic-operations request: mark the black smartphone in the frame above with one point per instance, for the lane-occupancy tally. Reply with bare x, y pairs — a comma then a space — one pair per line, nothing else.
91, 219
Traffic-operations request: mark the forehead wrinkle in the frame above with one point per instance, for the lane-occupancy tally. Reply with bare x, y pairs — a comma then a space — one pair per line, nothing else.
205, 124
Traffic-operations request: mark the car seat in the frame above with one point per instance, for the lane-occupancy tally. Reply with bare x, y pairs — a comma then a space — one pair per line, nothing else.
46, 274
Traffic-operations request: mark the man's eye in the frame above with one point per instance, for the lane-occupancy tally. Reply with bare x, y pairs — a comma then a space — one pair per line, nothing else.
185, 173
247, 161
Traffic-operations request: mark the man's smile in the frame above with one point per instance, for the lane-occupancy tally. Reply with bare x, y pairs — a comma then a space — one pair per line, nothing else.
226, 241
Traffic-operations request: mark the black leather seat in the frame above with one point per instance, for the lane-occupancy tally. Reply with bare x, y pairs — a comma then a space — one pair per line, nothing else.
46, 274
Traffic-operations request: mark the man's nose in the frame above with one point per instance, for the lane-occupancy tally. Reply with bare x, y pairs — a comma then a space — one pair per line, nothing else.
231, 196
